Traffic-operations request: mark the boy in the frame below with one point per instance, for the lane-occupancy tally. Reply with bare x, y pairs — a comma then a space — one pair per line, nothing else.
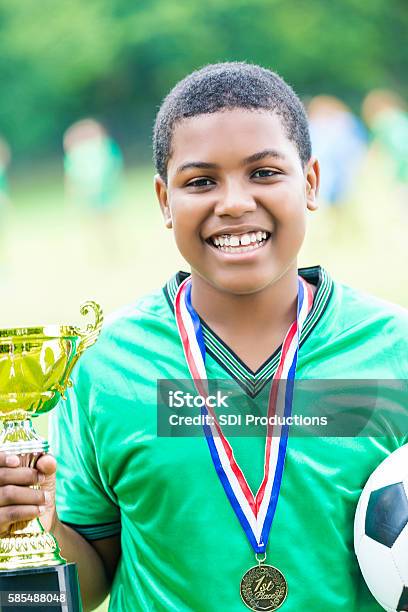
235, 179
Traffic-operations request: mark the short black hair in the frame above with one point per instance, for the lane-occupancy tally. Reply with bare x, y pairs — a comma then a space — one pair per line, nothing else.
226, 86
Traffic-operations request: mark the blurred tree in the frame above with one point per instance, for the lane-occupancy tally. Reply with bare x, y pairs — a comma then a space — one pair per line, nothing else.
60, 61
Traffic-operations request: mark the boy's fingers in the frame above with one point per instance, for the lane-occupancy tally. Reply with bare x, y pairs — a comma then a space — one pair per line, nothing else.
20, 476
11, 495
7, 460
46, 464
14, 514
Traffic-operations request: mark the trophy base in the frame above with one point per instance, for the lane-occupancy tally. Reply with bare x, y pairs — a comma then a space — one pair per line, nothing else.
42, 589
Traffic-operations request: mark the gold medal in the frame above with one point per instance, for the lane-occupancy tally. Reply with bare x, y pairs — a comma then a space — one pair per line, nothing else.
263, 588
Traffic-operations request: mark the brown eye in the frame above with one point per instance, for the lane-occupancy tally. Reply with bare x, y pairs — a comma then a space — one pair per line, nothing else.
264, 173
200, 182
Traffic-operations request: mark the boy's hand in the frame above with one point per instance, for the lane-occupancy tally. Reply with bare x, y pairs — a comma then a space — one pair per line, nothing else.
19, 502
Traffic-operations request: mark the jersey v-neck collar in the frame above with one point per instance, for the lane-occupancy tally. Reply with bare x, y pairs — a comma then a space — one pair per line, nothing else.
254, 382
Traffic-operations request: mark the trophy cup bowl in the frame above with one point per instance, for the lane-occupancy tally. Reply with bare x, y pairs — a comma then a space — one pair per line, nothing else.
35, 366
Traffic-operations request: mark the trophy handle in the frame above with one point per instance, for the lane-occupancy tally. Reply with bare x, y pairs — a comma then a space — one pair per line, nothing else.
88, 337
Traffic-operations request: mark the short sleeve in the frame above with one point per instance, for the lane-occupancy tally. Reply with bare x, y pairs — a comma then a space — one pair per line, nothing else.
83, 500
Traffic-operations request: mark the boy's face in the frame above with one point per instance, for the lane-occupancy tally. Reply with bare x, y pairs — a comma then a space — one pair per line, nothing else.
234, 177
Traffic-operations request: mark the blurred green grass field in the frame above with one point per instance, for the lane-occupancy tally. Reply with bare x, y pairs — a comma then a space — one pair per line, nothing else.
52, 259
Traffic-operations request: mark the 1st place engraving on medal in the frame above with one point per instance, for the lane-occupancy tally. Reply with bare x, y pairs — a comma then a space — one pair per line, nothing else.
263, 588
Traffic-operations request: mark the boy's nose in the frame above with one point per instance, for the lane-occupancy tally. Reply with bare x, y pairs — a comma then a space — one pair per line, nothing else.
235, 201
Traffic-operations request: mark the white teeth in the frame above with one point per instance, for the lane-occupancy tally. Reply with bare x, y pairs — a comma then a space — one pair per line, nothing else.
245, 240
239, 243
241, 249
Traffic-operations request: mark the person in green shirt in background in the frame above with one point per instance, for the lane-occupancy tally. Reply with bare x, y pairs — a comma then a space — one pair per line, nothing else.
145, 516
385, 113
92, 164
93, 167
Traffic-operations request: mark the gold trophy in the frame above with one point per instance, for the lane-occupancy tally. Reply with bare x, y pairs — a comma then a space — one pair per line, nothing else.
35, 366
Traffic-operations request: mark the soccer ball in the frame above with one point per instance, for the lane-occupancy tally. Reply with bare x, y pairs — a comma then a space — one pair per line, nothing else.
381, 532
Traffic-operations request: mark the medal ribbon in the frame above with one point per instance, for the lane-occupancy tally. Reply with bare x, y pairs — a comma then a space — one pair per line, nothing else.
255, 513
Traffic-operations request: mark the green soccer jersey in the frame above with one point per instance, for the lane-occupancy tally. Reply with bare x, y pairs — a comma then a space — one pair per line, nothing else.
183, 548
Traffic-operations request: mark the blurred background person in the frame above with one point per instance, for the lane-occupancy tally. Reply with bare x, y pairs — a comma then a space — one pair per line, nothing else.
339, 143
5, 157
385, 113
93, 166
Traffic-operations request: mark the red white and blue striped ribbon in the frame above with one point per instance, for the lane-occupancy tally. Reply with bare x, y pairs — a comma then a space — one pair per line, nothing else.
255, 513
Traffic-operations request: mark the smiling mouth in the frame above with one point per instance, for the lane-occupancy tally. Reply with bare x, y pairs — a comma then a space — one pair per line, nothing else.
239, 243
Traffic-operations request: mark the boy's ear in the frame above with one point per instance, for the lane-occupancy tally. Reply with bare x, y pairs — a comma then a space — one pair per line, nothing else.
312, 183
161, 192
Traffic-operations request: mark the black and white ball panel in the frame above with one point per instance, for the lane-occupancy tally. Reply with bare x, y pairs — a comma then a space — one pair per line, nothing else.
387, 514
